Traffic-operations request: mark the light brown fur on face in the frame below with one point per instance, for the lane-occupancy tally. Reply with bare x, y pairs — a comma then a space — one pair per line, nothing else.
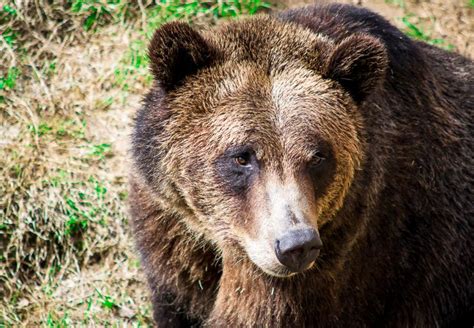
280, 116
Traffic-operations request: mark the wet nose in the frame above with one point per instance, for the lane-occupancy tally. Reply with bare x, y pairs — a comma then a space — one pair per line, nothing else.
296, 249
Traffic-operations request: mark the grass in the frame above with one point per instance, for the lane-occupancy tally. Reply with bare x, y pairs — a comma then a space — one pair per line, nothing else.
8, 81
416, 27
98, 12
398, 3
413, 30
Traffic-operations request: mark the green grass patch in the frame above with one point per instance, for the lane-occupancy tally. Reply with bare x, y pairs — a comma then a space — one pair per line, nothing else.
53, 321
84, 206
40, 130
398, 3
106, 301
9, 36
98, 12
60, 129
100, 151
75, 129
177, 10
414, 30
8, 80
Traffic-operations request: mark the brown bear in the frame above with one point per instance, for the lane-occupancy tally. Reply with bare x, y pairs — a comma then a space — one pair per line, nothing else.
312, 168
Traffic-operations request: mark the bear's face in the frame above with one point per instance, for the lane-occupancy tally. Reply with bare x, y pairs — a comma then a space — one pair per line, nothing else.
262, 150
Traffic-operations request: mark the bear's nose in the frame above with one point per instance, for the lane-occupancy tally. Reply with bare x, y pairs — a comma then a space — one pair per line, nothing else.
296, 249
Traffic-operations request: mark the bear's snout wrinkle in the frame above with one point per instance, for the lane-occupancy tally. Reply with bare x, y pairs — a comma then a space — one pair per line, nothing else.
297, 249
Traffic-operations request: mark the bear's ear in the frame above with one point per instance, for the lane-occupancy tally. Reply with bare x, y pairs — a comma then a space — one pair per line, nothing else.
177, 51
358, 63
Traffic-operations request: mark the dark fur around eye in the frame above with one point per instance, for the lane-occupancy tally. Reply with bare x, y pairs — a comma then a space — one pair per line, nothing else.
237, 177
321, 169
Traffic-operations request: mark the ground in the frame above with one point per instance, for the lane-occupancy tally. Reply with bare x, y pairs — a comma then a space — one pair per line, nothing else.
71, 78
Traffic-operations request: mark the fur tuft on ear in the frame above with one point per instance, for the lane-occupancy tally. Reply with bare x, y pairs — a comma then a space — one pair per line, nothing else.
177, 51
358, 63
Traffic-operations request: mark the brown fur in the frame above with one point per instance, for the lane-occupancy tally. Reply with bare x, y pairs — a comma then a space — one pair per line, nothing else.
393, 201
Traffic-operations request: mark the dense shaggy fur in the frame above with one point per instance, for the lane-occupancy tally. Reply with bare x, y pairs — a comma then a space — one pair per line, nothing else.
394, 204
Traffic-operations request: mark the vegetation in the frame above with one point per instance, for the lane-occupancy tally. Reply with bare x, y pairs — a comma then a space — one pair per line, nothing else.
413, 30
412, 25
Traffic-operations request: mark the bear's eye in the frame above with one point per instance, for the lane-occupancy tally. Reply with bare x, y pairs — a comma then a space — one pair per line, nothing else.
242, 159
238, 167
317, 159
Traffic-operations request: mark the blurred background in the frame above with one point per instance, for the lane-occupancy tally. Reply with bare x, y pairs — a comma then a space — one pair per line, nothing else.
72, 74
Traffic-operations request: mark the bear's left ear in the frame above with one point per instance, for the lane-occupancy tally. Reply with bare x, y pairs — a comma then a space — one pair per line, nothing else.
177, 51
358, 63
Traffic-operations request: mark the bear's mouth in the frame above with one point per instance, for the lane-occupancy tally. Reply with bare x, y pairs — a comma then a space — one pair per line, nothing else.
284, 272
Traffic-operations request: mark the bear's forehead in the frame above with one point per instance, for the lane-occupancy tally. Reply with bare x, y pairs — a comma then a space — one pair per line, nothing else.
280, 113
263, 90
288, 102
263, 62
267, 41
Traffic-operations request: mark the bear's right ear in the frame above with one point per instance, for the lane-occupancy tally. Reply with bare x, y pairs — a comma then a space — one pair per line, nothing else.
177, 51
358, 63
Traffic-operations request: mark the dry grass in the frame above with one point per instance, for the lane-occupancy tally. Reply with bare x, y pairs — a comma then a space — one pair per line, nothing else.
68, 89
63, 199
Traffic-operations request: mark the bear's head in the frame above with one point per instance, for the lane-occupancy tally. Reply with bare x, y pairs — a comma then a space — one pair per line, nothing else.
252, 133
